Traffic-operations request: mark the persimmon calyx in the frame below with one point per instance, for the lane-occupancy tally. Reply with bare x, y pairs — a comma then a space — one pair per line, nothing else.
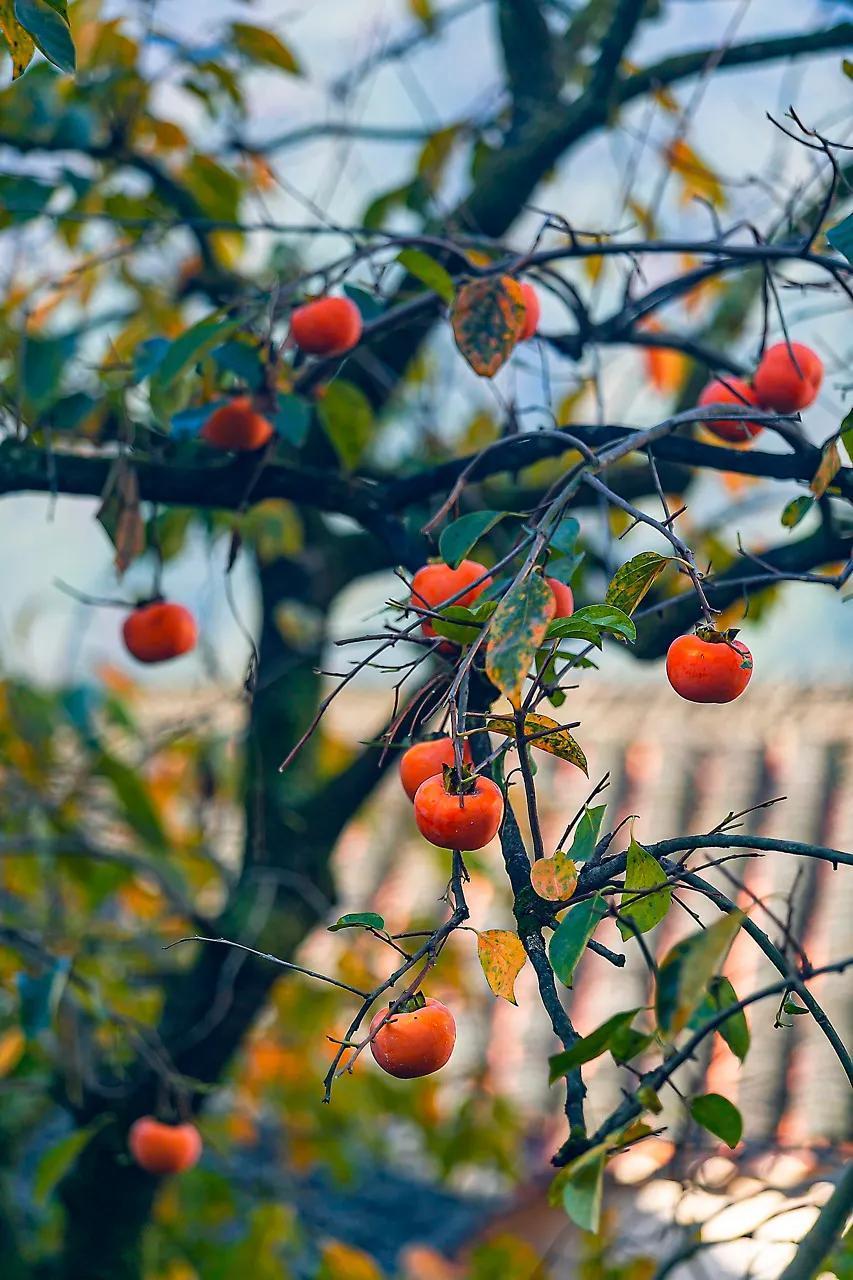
456, 784
415, 1002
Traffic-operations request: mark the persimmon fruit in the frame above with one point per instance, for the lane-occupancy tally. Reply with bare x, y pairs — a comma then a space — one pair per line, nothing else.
532, 312
788, 378
435, 583
564, 599
426, 759
710, 666
467, 820
327, 326
163, 1148
159, 631
736, 392
238, 427
416, 1040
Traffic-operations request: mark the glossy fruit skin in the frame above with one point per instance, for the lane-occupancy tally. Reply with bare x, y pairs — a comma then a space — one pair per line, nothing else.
159, 631
326, 327
783, 387
238, 427
426, 759
738, 393
163, 1148
414, 1044
563, 598
435, 583
458, 822
707, 671
532, 312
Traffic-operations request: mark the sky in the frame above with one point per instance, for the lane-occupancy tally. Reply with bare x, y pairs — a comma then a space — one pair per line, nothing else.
46, 634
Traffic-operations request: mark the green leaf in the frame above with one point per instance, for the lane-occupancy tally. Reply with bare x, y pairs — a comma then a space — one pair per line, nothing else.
841, 237
579, 1187
148, 357
557, 741
796, 510
586, 833
719, 1116
358, 920
463, 534
189, 348
518, 628
137, 807
243, 359
735, 1030
44, 363
59, 1158
687, 969
369, 306
564, 537
628, 1042
429, 272
347, 419
574, 628
564, 568
47, 23
22, 198
40, 995
631, 582
293, 420
607, 618
264, 47
590, 1046
572, 934
845, 432
452, 624
646, 909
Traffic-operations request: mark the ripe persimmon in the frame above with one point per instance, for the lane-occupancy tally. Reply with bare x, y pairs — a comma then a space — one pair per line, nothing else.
238, 427
564, 600
710, 666
532, 312
426, 759
467, 820
326, 327
416, 1040
733, 391
163, 1148
788, 378
435, 583
159, 631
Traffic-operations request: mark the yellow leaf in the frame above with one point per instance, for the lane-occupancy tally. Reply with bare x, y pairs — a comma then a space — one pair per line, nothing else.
19, 43
830, 465
697, 178
502, 957
12, 1045
593, 267
554, 879
344, 1262
666, 368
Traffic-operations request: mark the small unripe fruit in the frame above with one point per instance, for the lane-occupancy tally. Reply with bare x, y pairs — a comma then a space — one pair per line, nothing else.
238, 427
327, 327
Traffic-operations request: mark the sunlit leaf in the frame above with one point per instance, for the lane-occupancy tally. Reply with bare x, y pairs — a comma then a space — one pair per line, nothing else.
735, 1030
633, 579
431, 273
545, 734
518, 629
554, 879
20, 44
488, 317
460, 537
796, 510
591, 1046
642, 901
47, 22
607, 617
502, 957
572, 934
263, 46
687, 969
719, 1116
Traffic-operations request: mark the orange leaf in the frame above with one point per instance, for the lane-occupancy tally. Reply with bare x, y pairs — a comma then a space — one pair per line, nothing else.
697, 178
344, 1262
554, 879
488, 317
666, 368
502, 957
12, 1045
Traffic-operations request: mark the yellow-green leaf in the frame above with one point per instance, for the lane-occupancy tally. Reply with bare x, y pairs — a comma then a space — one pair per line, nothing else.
21, 46
719, 1116
347, 419
830, 465
518, 628
647, 895
554, 879
545, 734
687, 969
578, 1188
488, 317
264, 47
502, 957
631, 582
